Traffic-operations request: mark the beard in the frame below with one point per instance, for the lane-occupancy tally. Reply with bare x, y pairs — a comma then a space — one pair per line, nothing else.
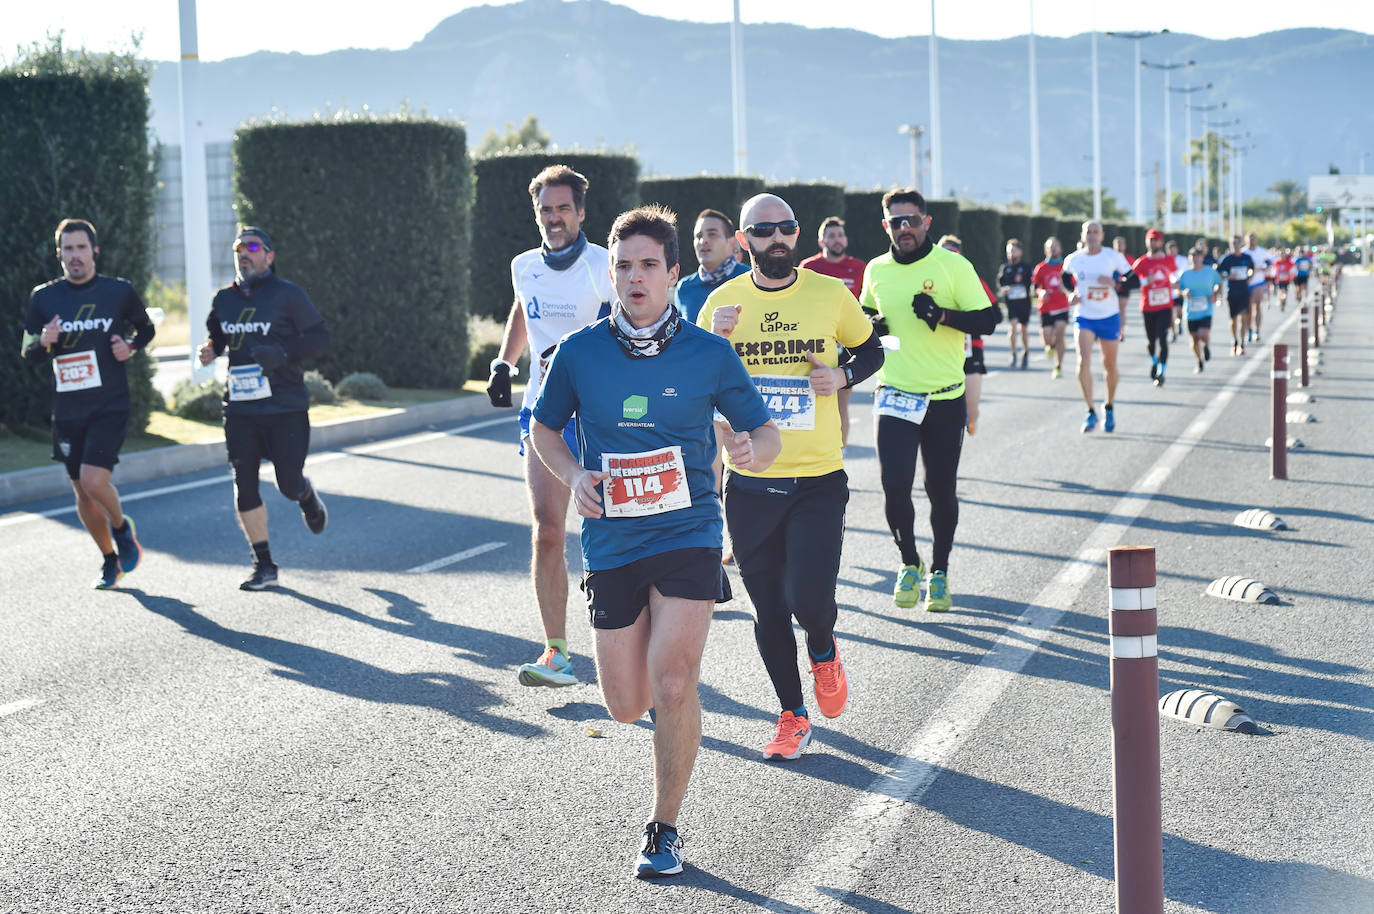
247, 274
776, 262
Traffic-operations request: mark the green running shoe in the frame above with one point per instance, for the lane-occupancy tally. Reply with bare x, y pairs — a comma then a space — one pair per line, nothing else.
937, 593
907, 592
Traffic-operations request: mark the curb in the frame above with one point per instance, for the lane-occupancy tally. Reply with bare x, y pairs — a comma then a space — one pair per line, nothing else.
51, 481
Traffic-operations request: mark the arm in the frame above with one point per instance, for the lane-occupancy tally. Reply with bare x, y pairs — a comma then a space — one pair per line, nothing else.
215, 341
756, 449
864, 360
553, 451
512, 344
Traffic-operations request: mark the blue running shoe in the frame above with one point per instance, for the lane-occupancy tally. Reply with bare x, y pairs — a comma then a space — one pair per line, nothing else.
662, 853
1090, 420
130, 552
1109, 415
110, 573
553, 669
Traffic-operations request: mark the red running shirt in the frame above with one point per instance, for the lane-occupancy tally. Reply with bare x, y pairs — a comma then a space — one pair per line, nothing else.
1048, 278
1156, 291
1283, 269
848, 270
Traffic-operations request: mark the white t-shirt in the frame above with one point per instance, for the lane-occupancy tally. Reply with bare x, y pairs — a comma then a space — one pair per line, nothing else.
1092, 276
1262, 260
558, 302
1180, 265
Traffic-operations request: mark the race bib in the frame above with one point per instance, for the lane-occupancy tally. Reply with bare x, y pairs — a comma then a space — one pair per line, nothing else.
1238, 272
1098, 293
968, 346
1160, 296
790, 400
247, 382
1198, 304
1016, 293
650, 482
889, 401
78, 371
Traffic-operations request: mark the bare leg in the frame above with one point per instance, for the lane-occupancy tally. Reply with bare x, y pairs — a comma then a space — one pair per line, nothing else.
94, 495
253, 523
973, 391
1060, 329
843, 396
1109, 348
1085, 365
549, 505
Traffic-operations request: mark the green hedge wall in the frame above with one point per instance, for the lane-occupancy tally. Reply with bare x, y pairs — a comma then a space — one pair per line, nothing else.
981, 231
863, 223
75, 145
944, 218
371, 217
689, 196
812, 202
1016, 225
1041, 228
505, 218
1069, 231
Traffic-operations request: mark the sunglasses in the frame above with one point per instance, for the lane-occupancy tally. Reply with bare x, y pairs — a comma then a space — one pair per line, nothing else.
900, 222
766, 229
253, 246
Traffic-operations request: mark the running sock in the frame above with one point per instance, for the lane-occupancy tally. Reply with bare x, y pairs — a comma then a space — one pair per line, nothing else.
109, 555
123, 525
560, 643
261, 554
307, 493
825, 656
800, 711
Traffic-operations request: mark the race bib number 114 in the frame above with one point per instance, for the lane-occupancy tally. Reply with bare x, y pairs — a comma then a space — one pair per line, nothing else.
649, 482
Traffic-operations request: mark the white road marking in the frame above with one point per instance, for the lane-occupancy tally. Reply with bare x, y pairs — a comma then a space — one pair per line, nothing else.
314, 460
860, 840
22, 704
454, 559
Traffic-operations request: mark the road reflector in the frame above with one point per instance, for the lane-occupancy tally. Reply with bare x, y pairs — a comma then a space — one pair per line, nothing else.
1298, 417
1259, 519
1295, 399
1195, 706
1293, 443
1243, 590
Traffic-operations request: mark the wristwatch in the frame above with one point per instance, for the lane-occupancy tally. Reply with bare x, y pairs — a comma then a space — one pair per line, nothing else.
848, 376
514, 371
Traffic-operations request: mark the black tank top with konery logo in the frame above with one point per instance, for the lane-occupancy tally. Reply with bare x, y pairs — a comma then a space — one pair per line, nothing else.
268, 311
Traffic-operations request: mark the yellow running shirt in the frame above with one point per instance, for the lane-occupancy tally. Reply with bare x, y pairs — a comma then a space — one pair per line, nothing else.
928, 360
776, 331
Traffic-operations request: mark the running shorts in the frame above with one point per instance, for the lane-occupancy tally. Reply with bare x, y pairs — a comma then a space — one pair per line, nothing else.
616, 596
1106, 328
95, 442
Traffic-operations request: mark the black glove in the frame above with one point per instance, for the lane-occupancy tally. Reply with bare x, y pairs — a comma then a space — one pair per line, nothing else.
269, 355
925, 308
498, 386
877, 320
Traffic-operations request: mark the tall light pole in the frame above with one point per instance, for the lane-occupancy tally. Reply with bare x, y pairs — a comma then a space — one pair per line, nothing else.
914, 131
1168, 69
1223, 151
1206, 164
1097, 138
737, 85
937, 178
1136, 38
1186, 92
1364, 223
1238, 180
195, 207
1034, 119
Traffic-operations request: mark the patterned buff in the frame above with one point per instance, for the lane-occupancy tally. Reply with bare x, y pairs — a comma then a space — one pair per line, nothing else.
645, 342
720, 274
565, 257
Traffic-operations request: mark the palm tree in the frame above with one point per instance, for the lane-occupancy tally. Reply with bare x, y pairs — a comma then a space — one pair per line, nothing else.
1292, 198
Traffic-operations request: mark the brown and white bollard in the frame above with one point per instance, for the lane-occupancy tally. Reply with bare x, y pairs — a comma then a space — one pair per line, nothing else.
1278, 441
1137, 817
1318, 314
1303, 337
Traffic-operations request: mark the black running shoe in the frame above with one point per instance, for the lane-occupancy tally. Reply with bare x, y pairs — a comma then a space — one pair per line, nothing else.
130, 552
313, 511
263, 577
1206, 352
110, 573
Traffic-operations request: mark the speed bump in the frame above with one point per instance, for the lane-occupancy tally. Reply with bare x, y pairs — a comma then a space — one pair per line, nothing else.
1243, 590
1298, 417
1194, 706
1259, 519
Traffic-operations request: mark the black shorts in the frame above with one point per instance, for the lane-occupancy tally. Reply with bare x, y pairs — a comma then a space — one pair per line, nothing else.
974, 363
1282, 285
95, 442
1053, 317
1238, 305
1300, 282
283, 438
1019, 310
1178, 302
616, 596
1202, 323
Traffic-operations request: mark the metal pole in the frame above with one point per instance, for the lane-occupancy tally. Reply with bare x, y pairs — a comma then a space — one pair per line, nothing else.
1302, 337
937, 177
912, 134
1097, 137
195, 207
1137, 820
1034, 120
1278, 442
1206, 190
737, 86
1168, 151
1364, 223
1188, 164
1139, 180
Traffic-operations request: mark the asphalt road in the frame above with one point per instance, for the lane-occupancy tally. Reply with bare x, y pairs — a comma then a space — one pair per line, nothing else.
357, 739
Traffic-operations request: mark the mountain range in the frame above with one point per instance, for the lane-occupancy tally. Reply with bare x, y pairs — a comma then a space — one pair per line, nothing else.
822, 104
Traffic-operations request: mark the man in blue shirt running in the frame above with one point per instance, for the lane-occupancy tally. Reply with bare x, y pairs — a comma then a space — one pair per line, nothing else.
1199, 286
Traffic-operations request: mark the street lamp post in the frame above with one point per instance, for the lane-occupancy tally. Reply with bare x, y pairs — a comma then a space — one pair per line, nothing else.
1206, 164
1034, 119
915, 131
1238, 180
1136, 38
741, 155
1364, 223
1186, 92
1168, 69
1097, 138
1223, 170
936, 135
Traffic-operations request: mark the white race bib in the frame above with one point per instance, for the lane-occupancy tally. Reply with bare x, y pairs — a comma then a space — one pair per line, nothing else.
247, 382
77, 371
1098, 293
1159, 296
650, 482
1016, 293
889, 401
790, 400
1238, 273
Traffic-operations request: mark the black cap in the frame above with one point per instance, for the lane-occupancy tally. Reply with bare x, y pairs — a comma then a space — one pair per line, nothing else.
265, 238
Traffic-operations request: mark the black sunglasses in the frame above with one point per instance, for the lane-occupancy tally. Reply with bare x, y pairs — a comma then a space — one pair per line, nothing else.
901, 222
766, 229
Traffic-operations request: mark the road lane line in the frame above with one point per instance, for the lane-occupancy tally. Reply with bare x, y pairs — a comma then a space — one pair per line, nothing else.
314, 460
454, 559
22, 704
861, 840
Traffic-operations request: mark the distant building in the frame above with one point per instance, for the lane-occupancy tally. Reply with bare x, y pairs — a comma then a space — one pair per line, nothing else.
170, 263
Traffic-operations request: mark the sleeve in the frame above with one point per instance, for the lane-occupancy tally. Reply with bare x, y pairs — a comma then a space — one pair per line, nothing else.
136, 314
212, 329
312, 334
30, 347
853, 326
737, 399
557, 399
973, 311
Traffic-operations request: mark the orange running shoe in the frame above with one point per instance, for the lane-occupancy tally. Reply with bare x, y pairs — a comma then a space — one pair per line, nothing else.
790, 738
832, 685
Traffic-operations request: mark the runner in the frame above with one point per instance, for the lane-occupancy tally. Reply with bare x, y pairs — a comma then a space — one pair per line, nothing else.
80, 323
643, 384
1015, 284
975, 367
1127, 282
1283, 276
268, 326
1200, 285
1302, 269
787, 522
929, 298
1237, 267
1091, 274
1154, 271
714, 237
1048, 280
560, 286
1260, 258
1180, 264
833, 261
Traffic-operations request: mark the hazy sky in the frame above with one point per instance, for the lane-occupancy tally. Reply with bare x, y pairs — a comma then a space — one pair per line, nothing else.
231, 29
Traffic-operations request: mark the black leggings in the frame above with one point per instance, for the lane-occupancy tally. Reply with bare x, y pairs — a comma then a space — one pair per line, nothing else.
1158, 324
788, 551
283, 438
940, 439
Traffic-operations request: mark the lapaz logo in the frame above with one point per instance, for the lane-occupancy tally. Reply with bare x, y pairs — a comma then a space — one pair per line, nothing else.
635, 407
771, 324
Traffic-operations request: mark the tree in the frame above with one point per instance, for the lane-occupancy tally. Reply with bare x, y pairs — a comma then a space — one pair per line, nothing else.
528, 137
1292, 198
1216, 150
1078, 201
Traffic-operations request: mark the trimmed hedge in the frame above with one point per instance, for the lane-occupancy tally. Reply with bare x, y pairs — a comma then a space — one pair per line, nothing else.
863, 223
981, 231
689, 196
505, 217
76, 145
812, 202
400, 187
944, 218
1016, 225
1069, 231
1041, 229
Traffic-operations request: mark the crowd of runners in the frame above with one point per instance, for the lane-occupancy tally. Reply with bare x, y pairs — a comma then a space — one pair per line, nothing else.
672, 411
